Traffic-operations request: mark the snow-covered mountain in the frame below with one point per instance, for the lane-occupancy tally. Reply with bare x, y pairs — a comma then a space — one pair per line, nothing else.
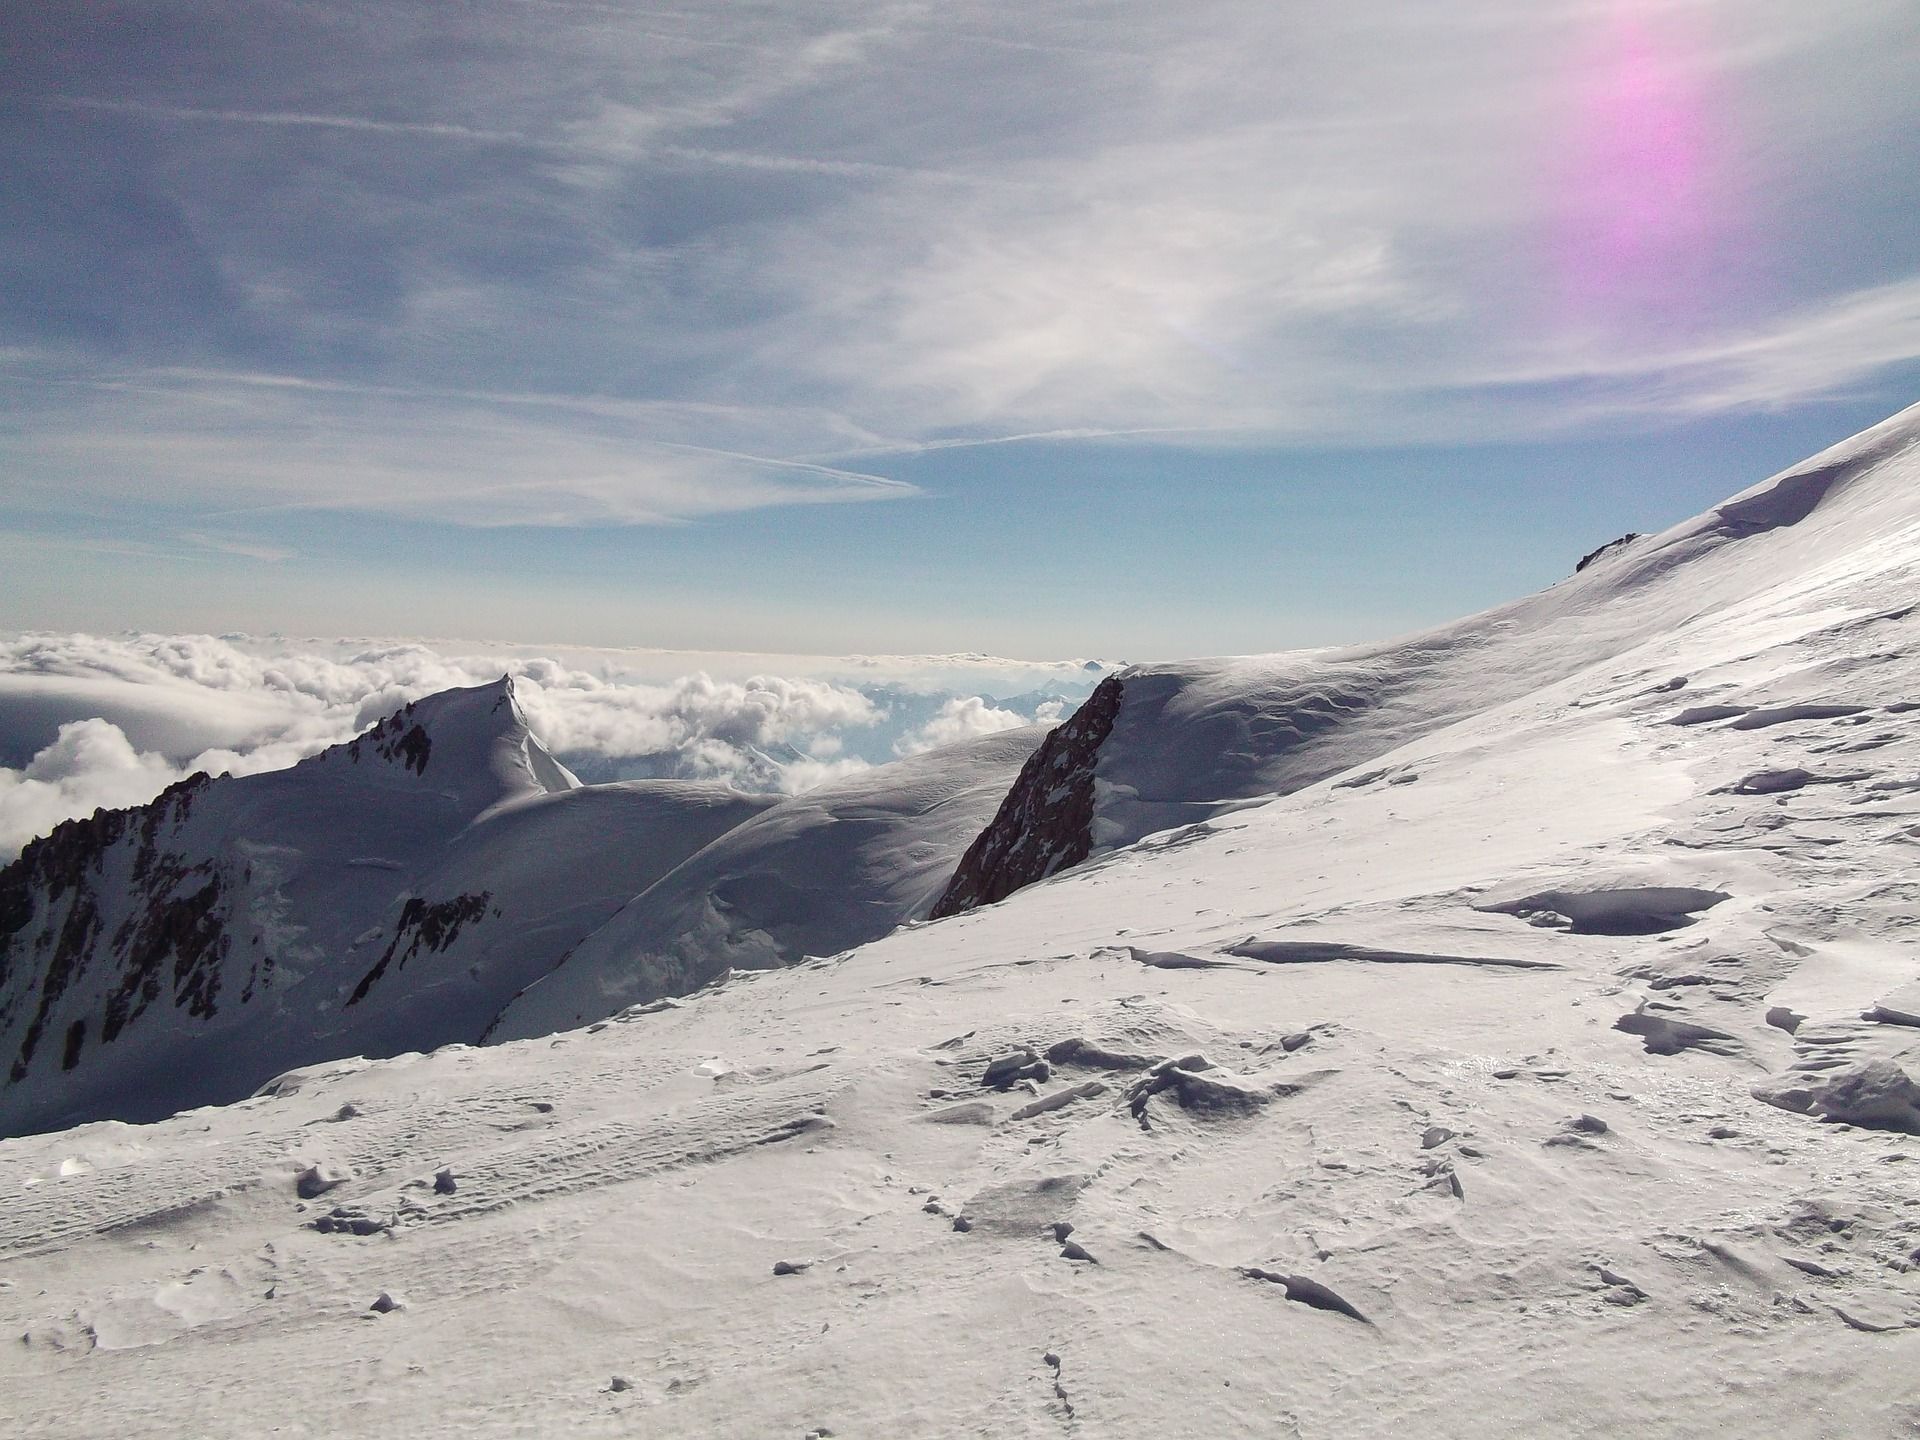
386, 894
1507, 1032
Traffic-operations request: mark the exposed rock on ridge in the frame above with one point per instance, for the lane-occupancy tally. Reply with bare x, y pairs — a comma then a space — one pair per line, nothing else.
1607, 549
1045, 824
1197, 740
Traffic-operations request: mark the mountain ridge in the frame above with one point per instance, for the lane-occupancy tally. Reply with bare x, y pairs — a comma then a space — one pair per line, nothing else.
401, 891
1190, 741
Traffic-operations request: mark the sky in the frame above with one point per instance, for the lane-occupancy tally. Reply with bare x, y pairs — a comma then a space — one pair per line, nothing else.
1097, 328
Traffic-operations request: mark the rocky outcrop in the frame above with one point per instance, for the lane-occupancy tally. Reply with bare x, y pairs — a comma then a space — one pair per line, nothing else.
174, 915
1607, 549
143, 908
1045, 825
425, 926
398, 737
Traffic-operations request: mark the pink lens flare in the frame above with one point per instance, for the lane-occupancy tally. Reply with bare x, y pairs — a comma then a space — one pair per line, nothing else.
1638, 171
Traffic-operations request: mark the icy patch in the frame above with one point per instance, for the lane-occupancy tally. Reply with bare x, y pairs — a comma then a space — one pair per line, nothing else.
132, 1321
1781, 782
1307, 1291
1178, 960
1707, 714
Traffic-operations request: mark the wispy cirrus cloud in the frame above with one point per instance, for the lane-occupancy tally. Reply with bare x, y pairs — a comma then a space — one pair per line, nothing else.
1824, 347
585, 144
239, 546
576, 264
238, 444
289, 119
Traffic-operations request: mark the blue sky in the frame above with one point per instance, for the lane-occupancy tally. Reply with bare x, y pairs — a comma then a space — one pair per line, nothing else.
1114, 329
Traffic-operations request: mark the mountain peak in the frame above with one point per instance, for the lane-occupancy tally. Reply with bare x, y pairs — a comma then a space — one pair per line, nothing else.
473, 743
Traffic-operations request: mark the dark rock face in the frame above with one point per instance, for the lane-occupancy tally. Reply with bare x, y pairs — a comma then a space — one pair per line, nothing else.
177, 953
131, 894
398, 737
424, 926
178, 917
1045, 824
1606, 549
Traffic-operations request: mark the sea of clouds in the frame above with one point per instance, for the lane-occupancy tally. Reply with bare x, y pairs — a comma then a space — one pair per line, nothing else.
88, 721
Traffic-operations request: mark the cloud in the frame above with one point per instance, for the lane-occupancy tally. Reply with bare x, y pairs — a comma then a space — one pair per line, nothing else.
620, 267
963, 718
88, 766
753, 733
1840, 342
249, 443
614, 147
1243, 253
237, 545
90, 720
804, 774
284, 118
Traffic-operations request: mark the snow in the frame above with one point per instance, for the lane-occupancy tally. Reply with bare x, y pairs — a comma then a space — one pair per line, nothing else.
1201, 738
1387, 1162
838, 866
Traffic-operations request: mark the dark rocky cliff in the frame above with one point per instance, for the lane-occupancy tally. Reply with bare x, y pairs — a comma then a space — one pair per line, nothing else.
169, 909
1045, 824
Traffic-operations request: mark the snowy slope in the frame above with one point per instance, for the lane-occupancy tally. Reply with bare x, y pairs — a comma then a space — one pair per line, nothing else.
833, 868
385, 894
1198, 739
1540, 1073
